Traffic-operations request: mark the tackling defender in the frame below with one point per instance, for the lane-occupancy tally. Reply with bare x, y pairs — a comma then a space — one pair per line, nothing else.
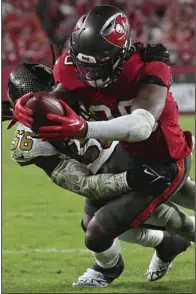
28, 156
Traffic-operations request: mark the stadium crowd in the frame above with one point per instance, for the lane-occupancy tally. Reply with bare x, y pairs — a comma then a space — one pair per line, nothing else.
27, 26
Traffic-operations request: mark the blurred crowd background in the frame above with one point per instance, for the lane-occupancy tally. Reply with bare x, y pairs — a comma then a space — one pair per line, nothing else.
29, 25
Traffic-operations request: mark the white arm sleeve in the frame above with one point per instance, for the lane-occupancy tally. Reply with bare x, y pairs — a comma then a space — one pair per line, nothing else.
134, 127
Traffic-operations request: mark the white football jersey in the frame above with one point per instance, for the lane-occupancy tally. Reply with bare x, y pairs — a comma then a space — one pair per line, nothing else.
97, 152
26, 147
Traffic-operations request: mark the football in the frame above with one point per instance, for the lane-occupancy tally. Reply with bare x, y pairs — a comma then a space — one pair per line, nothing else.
43, 103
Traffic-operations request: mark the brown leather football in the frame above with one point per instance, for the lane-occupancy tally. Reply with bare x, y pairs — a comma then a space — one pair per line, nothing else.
43, 103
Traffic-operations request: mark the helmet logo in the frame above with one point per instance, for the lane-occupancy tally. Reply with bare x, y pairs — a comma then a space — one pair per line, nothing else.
118, 31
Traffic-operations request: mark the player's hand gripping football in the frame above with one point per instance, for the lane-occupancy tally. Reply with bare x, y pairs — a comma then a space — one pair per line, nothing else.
21, 112
71, 126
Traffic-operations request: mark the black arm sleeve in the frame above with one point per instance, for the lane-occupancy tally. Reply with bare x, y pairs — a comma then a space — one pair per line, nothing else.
152, 80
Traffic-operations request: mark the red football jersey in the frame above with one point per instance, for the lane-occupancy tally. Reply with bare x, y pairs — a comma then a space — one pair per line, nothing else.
168, 141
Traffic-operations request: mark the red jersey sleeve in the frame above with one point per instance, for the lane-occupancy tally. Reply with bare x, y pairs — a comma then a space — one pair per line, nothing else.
156, 72
64, 73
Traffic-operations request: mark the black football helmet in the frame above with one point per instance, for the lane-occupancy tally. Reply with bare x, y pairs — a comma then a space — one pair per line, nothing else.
100, 44
32, 77
29, 77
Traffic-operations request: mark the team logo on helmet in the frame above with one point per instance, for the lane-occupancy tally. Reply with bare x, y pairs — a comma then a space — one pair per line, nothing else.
118, 30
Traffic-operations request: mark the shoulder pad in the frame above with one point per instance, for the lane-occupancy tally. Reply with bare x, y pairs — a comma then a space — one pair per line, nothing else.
64, 73
153, 52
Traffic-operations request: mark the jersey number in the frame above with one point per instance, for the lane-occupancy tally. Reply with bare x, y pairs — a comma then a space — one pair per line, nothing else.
23, 140
68, 60
124, 107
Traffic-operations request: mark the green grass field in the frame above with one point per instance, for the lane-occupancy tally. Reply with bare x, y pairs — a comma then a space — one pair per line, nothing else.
43, 244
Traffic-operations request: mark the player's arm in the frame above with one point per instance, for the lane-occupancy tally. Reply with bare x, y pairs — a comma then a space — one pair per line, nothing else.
152, 99
65, 172
61, 71
138, 125
146, 109
71, 175
64, 94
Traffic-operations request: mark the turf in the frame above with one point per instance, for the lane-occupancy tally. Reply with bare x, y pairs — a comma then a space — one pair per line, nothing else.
43, 244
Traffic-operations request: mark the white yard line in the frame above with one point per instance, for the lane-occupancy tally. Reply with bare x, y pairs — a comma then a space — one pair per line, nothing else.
44, 250
31, 214
54, 250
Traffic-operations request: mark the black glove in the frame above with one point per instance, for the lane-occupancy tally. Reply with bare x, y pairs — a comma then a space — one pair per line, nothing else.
7, 111
151, 179
153, 52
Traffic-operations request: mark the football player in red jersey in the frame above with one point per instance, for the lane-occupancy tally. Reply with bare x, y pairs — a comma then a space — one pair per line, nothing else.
120, 84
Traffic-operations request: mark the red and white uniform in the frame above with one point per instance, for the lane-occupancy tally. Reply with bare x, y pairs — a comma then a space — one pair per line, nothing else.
168, 142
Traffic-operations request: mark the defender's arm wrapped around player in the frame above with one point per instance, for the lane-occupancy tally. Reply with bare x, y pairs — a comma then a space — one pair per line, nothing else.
64, 171
72, 175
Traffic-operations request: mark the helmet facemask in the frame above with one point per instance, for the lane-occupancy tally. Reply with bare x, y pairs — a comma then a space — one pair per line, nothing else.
99, 74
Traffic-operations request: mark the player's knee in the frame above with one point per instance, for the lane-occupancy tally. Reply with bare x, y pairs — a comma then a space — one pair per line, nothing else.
96, 238
85, 221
